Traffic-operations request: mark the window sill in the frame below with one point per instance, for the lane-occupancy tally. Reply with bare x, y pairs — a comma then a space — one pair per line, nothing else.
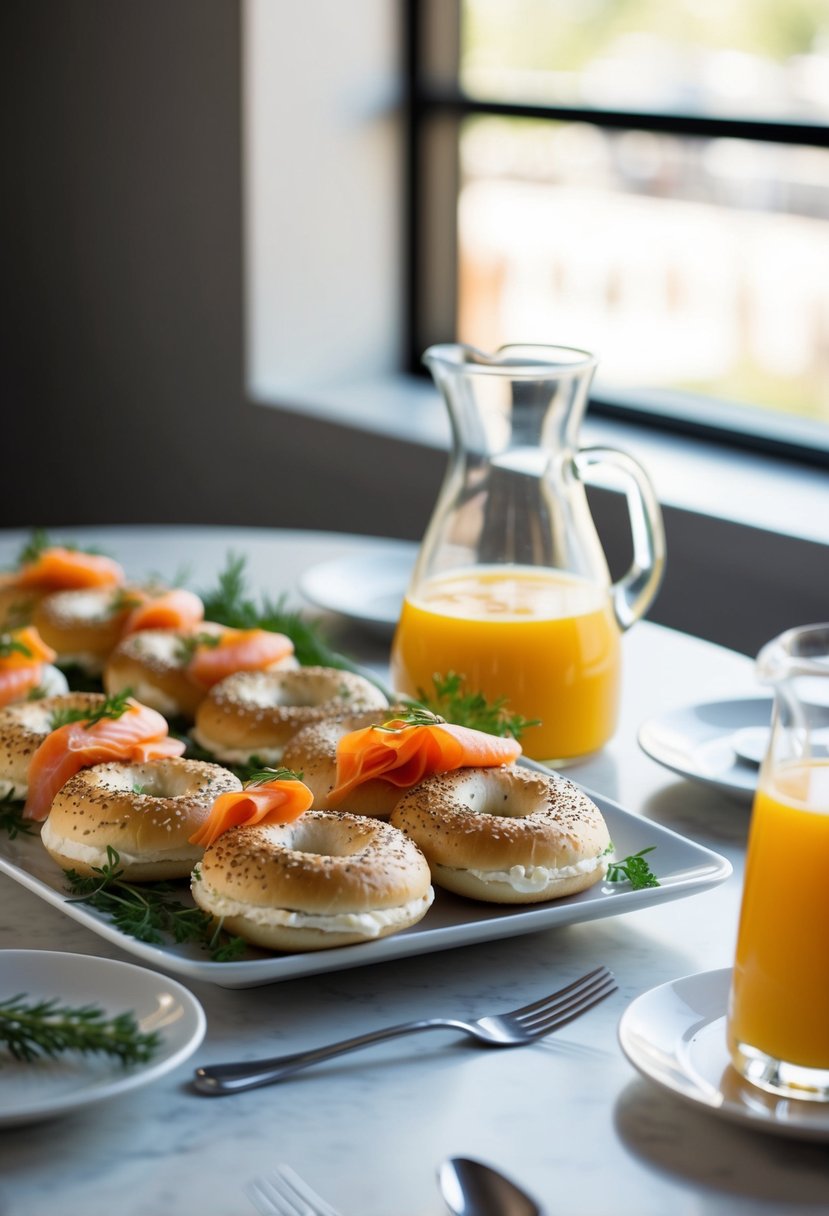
756, 490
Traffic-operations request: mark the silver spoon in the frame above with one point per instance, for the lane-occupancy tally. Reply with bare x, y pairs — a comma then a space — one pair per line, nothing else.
472, 1188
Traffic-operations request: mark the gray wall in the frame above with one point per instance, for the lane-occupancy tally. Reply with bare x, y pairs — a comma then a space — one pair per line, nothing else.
122, 372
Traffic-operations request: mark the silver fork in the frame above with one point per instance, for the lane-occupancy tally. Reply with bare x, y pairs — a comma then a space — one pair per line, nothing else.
284, 1193
505, 1030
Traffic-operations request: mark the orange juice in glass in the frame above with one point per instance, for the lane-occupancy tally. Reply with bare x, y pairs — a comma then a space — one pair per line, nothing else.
546, 641
511, 589
778, 1016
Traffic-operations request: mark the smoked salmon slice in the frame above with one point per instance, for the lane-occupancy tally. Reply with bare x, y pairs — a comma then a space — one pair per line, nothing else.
137, 733
176, 609
22, 656
237, 650
60, 569
278, 800
404, 753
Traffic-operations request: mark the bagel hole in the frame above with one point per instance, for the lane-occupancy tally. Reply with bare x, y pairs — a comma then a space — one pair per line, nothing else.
154, 780
326, 840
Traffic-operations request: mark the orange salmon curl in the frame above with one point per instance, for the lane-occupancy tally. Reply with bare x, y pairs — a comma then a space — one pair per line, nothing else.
281, 799
406, 753
136, 734
23, 654
175, 609
61, 569
237, 650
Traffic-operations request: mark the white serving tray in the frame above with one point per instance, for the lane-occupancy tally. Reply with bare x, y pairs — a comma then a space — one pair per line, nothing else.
683, 868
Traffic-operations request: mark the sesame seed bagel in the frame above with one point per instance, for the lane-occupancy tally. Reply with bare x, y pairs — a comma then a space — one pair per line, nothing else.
153, 664
506, 835
23, 727
146, 812
327, 879
313, 752
83, 626
256, 713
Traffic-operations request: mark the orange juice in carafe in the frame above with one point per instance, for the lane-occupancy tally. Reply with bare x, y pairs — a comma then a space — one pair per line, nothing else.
546, 641
779, 1005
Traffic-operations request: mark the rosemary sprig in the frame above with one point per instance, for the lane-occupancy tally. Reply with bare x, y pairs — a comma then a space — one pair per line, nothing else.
451, 701
11, 818
149, 912
111, 707
633, 869
31, 1030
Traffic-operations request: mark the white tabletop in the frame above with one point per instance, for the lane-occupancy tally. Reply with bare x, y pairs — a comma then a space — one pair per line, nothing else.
569, 1116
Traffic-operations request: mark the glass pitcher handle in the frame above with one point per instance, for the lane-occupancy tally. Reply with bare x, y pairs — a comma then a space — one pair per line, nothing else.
635, 592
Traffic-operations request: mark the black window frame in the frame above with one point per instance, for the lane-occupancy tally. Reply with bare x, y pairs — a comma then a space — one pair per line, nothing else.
429, 99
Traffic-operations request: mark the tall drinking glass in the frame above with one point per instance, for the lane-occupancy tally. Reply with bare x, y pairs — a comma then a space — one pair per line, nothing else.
778, 1016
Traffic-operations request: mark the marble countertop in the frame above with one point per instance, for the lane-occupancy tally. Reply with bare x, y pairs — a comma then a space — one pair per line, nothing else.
568, 1116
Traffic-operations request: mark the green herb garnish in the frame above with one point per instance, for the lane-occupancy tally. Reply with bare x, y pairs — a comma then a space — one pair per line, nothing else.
111, 707
260, 776
415, 716
31, 1030
633, 869
10, 645
149, 912
453, 703
230, 604
11, 818
187, 646
37, 543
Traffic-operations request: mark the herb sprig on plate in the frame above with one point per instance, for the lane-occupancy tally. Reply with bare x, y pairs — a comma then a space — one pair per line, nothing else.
633, 869
30, 1030
150, 912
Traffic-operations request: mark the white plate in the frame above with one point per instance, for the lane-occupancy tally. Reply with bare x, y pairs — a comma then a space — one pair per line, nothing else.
45, 1088
367, 588
682, 866
719, 743
675, 1035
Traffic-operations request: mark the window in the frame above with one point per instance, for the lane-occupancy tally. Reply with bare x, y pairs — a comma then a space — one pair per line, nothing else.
645, 178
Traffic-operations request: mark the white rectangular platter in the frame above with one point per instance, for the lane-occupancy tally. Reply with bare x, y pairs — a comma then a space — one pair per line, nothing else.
683, 868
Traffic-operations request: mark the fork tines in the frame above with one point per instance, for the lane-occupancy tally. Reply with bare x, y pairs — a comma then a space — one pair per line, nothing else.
285, 1193
562, 1006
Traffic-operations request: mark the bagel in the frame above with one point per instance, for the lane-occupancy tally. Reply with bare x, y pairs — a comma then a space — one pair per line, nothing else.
327, 879
256, 713
312, 751
506, 835
153, 663
23, 727
83, 626
146, 812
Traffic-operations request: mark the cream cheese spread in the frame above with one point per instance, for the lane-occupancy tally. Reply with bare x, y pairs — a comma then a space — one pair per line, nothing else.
369, 924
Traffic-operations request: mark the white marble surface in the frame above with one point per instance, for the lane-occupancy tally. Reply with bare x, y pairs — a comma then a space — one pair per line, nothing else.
569, 1116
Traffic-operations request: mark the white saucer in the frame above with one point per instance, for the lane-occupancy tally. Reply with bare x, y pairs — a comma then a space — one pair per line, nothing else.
675, 1035
45, 1088
367, 588
720, 743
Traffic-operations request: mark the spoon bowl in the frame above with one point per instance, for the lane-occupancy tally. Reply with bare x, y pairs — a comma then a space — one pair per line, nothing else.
473, 1188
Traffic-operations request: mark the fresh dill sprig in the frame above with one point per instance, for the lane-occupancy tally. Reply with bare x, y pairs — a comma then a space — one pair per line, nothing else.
35, 545
31, 1030
260, 776
11, 818
186, 647
415, 716
37, 693
450, 700
111, 707
230, 603
149, 912
634, 869
10, 645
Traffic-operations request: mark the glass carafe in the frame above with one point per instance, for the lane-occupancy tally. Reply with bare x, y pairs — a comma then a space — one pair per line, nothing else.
778, 1017
511, 588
